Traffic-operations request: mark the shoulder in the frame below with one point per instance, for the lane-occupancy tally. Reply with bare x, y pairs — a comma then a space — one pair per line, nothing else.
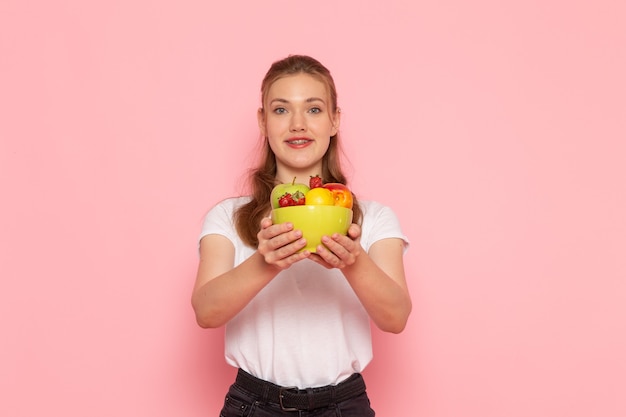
379, 222
373, 209
231, 204
226, 208
220, 217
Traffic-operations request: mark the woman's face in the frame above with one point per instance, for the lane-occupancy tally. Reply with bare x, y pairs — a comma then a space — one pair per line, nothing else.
298, 121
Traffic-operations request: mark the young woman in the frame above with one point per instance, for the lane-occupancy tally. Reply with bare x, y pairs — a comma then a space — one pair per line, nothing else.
298, 323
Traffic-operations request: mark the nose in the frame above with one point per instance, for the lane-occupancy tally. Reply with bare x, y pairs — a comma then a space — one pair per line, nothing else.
297, 123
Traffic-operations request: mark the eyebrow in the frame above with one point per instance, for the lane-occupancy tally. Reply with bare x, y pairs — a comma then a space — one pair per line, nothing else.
308, 100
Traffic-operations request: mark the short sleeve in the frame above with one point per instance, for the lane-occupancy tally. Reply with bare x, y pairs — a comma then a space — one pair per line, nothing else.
219, 221
380, 222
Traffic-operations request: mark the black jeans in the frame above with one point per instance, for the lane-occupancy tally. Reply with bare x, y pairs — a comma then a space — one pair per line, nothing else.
242, 403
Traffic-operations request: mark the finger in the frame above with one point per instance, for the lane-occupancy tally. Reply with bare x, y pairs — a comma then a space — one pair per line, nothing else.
339, 244
319, 260
288, 240
327, 252
266, 222
287, 255
354, 231
342, 249
276, 230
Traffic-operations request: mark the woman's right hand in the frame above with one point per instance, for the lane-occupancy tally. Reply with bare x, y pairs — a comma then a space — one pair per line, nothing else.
279, 244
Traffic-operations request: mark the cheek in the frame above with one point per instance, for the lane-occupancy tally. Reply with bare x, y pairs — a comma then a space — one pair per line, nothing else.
273, 126
324, 144
273, 143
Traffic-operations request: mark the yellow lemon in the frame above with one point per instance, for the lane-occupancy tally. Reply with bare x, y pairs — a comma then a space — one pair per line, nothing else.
319, 197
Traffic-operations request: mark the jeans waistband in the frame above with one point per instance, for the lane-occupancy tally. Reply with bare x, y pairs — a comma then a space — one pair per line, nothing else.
293, 399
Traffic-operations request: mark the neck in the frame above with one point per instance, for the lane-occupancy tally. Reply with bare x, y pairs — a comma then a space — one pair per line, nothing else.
301, 176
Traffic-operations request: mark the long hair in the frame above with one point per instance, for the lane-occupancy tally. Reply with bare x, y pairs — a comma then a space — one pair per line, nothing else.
263, 178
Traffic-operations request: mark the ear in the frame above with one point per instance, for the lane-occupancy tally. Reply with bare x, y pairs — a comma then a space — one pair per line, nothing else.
336, 119
260, 116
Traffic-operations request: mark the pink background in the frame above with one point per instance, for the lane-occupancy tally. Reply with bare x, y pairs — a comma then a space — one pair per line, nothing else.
497, 130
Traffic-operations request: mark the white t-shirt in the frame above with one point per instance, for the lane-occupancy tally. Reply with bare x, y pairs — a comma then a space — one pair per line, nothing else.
306, 328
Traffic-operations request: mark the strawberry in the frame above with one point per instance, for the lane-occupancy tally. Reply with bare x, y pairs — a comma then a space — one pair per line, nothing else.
315, 181
288, 199
285, 200
298, 198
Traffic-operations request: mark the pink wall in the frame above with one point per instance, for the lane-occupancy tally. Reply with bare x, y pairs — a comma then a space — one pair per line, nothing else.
497, 132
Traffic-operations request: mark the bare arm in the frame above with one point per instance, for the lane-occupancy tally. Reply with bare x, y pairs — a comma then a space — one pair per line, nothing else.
377, 277
221, 290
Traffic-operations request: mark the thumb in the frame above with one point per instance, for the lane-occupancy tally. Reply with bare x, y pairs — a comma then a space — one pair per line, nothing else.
354, 231
266, 222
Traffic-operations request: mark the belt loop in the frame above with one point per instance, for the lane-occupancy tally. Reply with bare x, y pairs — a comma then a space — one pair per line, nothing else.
266, 391
310, 398
332, 390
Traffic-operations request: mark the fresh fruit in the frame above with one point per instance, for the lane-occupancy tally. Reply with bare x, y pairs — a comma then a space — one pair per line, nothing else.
319, 196
285, 200
288, 200
289, 194
316, 193
341, 194
315, 181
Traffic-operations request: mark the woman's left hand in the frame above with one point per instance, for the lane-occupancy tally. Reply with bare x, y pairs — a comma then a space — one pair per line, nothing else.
339, 251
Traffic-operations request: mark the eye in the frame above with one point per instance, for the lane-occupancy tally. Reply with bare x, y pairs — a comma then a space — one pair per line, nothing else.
315, 110
280, 110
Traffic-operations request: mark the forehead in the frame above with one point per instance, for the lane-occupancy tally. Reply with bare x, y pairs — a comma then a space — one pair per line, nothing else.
298, 86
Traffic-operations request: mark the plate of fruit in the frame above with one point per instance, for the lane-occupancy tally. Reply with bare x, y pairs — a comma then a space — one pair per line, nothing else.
317, 209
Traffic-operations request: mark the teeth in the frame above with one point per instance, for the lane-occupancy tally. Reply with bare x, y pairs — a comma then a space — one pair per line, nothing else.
298, 142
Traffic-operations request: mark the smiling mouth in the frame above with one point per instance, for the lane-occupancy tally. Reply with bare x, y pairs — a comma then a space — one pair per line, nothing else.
298, 141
